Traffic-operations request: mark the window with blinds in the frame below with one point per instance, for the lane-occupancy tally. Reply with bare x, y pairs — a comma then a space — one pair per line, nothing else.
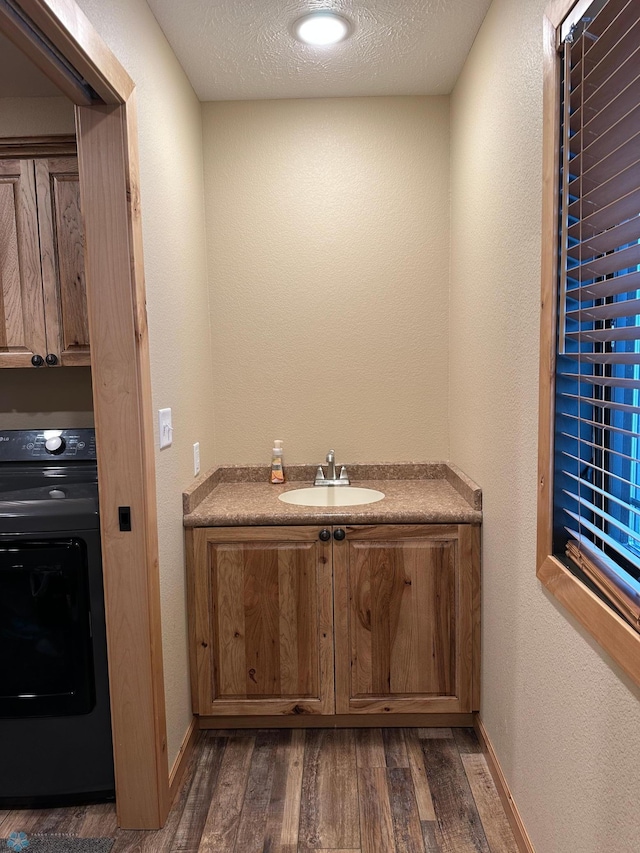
597, 438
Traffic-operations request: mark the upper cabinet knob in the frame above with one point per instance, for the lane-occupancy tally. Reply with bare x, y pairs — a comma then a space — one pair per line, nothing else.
51, 359
37, 360
339, 534
324, 535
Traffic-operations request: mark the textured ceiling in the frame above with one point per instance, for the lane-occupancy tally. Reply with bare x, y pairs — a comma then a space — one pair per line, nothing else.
243, 49
19, 77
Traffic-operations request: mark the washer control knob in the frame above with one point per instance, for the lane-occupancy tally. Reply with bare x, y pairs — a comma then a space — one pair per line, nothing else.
55, 445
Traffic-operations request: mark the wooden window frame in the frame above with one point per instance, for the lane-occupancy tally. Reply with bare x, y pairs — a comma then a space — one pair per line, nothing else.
612, 632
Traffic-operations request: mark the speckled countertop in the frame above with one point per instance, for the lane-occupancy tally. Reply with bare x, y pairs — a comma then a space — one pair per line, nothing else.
415, 493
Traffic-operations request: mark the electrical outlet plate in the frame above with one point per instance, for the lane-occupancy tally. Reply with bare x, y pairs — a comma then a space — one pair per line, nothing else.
196, 458
165, 428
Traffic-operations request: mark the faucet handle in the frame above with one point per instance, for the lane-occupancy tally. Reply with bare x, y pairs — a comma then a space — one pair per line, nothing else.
319, 476
343, 476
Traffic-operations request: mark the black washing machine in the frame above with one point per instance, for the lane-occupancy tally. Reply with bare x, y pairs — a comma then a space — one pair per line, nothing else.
55, 723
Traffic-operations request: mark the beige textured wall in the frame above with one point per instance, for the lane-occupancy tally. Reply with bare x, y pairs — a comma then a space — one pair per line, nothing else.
327, 227
36, 116
563, 718
170, 143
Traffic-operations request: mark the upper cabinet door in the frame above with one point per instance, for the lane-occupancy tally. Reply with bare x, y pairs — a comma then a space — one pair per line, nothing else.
404, 619
62, 251
22, 327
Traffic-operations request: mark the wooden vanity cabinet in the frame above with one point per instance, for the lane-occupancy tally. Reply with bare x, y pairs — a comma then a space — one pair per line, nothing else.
380, 619
261, 621
43, 309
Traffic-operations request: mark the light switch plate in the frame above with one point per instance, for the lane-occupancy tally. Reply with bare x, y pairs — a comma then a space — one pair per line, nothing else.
196, 458
165, 428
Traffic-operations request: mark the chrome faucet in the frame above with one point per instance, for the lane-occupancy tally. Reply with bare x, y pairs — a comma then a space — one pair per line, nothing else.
331, 479
331, 465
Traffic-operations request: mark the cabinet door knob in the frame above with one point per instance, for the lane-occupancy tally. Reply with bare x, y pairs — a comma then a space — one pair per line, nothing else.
339, 534
324, 535
37, 360
51, 359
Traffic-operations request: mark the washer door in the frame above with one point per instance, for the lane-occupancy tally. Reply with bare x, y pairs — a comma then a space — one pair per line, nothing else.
46, 656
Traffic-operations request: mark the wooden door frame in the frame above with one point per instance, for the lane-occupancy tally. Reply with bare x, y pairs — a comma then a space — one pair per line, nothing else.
106, 128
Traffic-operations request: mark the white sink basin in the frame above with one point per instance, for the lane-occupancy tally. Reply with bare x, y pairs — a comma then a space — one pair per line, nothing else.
331, 496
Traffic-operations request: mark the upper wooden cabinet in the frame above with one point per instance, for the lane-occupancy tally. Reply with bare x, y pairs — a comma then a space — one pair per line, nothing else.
397, 605
43, 308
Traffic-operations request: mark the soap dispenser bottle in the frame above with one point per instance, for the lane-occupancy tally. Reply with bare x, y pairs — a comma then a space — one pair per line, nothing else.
277, 471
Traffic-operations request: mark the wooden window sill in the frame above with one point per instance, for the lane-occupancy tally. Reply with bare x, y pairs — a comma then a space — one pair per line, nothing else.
615, 636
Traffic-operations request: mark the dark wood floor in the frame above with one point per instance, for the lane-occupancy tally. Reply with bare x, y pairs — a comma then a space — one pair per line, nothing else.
339, 790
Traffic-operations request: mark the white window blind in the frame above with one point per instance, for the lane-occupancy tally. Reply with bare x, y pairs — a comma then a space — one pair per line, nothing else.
597, 438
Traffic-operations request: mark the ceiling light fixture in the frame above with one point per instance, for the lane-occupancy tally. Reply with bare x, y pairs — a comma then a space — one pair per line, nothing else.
321, 28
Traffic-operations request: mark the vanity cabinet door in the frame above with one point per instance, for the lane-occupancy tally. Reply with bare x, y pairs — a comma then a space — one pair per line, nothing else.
404, 609
261, 621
